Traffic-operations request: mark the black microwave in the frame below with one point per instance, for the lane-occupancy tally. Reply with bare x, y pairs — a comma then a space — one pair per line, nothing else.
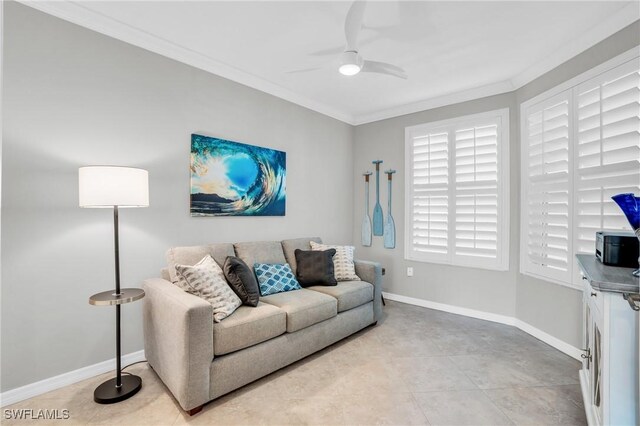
617, 248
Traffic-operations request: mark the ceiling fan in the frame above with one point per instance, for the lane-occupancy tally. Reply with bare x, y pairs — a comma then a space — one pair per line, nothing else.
351, 62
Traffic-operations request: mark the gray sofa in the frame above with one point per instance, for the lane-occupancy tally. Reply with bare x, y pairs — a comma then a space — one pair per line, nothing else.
199, 360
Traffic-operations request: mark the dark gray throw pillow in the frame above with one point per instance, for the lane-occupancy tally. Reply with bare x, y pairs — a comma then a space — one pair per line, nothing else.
242, 280
315, 267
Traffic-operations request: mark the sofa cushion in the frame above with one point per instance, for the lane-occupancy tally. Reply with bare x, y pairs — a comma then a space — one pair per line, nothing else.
315, 267
289, 248
242, 280
349, 294
193, 254
303, 307
248, 326
260, 252
275, 278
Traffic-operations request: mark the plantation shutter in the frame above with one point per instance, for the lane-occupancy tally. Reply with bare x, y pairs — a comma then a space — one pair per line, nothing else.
456, 203
476, 192
429, 215
580, 147
607, 151
546, 188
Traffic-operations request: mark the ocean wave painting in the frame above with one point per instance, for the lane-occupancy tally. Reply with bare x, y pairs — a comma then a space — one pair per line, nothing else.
234, 179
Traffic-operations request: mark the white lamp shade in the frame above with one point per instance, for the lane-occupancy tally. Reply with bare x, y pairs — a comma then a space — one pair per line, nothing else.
109, 186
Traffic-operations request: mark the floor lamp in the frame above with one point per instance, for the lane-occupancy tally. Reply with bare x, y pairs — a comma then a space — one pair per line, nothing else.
115, 187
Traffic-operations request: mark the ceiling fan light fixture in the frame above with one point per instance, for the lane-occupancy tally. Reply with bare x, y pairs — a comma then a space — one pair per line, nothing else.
349, 69
351, 63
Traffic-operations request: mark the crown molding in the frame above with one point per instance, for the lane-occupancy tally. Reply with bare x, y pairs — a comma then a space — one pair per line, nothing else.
436, 102
80, 15
624, 17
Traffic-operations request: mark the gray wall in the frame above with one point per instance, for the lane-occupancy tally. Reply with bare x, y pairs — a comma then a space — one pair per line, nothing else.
549, 307
479, 289
74, 97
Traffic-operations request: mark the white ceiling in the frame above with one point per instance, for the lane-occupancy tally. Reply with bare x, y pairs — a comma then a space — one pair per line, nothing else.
452, 51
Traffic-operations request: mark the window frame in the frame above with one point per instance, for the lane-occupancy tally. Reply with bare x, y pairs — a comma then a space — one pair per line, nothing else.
572, 278
535, 270
501, 262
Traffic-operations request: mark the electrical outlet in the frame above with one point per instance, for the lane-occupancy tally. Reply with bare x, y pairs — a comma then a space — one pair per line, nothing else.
409, 271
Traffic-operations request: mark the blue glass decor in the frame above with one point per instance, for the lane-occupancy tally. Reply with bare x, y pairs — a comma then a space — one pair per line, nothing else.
234, 179
630, 206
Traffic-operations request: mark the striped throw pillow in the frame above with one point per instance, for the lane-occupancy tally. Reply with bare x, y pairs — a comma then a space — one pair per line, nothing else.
343, 266
205, 279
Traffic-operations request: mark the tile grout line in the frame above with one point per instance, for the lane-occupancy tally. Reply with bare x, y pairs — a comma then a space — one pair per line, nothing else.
465, 374
413, 396
513, 422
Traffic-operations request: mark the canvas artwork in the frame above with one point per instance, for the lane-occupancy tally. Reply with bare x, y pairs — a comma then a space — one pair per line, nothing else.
235, 179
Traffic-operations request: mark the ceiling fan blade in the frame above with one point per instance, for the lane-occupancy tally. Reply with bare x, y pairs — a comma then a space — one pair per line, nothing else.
303, 70
383, 68
336, 50
332, 51
353, 24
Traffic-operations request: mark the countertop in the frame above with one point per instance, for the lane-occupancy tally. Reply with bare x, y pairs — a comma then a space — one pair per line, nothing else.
607, 278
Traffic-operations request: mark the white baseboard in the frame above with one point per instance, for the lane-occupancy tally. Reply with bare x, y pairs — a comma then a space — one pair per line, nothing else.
502, 319
43, 386
550, 340
488, 316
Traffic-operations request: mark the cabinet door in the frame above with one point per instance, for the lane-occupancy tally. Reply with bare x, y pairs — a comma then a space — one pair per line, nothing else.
596, 371
587, 340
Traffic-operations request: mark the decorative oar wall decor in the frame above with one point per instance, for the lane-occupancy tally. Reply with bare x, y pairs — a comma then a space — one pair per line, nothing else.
366, 221
389, 226
377, 209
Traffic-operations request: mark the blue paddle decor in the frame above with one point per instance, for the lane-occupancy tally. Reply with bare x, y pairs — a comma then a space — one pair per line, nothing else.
377, 209
366, 221
389, 226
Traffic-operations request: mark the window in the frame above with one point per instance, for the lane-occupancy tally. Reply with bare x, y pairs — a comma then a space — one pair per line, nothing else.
545, 168
580, 146
457, 190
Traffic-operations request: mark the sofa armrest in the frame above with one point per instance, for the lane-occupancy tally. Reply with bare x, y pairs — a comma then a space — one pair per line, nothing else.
371, 272
178, 340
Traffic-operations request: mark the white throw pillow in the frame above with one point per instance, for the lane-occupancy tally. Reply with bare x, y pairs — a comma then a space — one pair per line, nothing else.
343, 266
205, 279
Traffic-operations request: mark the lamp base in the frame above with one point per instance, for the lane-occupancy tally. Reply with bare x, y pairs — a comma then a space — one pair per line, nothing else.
107, 393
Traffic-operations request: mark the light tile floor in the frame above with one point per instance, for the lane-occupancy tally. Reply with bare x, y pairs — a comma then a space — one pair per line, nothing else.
417, 366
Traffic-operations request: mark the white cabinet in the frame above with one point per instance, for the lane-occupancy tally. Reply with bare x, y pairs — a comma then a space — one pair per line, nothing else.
609, 374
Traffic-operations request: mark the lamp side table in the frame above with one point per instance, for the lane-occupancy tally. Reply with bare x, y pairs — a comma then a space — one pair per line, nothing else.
119, 388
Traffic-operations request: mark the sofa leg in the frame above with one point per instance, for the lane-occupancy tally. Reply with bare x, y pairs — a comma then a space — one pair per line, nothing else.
194, 411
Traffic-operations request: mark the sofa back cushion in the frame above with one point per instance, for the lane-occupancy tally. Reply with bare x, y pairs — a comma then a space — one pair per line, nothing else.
260, 252
289, 248
194, 254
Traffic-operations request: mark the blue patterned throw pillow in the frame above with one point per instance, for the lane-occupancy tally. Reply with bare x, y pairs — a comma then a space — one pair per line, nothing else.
275, 278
